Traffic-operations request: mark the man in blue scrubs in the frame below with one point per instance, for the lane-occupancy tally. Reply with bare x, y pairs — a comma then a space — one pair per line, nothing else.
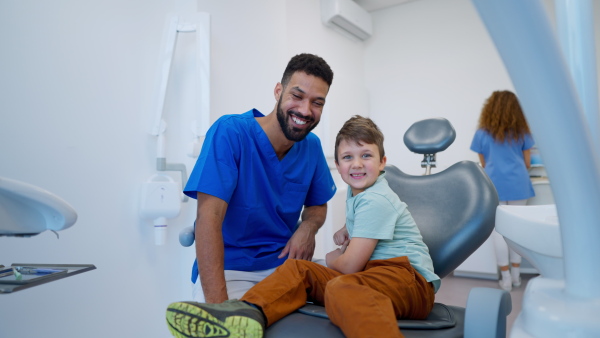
255, 176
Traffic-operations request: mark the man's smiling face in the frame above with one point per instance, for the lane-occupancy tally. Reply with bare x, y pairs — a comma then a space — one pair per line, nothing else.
300, 105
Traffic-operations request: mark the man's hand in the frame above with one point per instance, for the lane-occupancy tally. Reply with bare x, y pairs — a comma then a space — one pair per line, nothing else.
301, 245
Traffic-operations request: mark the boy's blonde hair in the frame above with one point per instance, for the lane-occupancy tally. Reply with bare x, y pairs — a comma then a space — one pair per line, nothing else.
360, 130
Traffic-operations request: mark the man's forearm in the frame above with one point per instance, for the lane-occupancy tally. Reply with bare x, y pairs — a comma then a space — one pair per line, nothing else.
210, 253
313, 217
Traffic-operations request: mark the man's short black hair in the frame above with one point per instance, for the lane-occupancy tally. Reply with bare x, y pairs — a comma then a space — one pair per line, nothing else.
310, 64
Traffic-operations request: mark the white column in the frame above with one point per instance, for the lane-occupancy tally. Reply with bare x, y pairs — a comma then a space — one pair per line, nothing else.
530, 51
575, 27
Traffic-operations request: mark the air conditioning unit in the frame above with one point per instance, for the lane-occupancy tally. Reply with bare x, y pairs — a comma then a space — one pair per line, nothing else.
347, 15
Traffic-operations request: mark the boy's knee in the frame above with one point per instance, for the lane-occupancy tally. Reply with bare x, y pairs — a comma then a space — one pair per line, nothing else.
336, 285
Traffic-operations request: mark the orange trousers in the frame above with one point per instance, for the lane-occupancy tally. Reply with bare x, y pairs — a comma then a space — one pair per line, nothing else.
362, 304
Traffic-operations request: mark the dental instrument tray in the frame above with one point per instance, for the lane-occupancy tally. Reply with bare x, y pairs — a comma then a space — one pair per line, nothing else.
26, 275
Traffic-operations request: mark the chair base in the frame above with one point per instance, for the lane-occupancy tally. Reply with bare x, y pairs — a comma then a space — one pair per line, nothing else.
301, 325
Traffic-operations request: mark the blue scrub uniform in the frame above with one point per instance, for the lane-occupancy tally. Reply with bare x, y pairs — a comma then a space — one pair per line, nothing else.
505, 165
265, 195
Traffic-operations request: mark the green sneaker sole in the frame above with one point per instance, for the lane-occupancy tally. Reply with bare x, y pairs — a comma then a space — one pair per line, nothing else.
186, 320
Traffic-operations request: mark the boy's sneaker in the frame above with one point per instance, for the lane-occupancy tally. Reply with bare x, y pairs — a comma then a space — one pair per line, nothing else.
516, 283
232, 318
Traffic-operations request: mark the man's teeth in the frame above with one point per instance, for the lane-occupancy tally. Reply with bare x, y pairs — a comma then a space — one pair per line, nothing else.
298, 121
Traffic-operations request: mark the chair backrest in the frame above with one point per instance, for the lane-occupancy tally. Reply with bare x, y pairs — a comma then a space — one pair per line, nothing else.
455, 209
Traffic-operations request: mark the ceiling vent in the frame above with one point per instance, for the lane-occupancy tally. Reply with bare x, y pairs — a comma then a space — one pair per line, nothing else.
348, 16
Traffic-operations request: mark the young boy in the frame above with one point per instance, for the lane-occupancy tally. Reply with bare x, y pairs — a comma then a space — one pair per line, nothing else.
382, 272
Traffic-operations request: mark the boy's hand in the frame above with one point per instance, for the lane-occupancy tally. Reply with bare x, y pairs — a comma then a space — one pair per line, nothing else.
345, 245
341, 236
355, 256
332, 256
335, 254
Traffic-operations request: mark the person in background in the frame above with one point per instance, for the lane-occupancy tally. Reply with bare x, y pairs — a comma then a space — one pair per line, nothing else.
255, 176
503, 142
382, 272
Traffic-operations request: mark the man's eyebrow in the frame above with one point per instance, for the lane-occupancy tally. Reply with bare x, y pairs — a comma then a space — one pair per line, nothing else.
296, 88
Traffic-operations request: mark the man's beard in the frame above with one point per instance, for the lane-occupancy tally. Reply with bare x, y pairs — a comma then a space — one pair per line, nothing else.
290, 132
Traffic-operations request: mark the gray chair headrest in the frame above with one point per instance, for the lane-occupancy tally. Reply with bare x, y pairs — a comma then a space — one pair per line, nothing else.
429, 136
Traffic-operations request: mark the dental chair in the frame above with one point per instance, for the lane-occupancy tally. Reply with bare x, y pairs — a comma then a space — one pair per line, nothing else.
455, 212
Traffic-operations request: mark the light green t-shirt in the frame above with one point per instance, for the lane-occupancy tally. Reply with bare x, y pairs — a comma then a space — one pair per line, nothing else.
378, 213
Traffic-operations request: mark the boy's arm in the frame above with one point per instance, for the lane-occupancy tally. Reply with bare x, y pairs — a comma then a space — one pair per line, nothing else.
355, 258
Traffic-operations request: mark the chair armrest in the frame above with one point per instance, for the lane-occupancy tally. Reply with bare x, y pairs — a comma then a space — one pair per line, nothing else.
486, 313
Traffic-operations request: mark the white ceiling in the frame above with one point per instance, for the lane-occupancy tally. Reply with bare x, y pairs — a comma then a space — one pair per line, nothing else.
373, 5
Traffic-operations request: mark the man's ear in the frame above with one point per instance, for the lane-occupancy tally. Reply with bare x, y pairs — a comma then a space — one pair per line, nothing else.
278, 90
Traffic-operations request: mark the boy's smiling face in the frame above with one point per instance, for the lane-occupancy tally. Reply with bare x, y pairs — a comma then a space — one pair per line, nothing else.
359, 164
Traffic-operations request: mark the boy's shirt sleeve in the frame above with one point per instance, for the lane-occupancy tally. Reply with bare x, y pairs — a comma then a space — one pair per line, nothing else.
374, 217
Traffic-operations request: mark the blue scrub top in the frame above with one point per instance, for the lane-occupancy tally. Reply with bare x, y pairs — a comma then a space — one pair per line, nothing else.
265, 195
505, 165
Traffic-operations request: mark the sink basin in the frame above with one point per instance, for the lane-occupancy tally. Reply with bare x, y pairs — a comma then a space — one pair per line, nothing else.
533, 232
27, 210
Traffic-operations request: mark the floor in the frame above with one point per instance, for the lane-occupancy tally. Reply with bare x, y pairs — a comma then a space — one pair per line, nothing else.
455, 291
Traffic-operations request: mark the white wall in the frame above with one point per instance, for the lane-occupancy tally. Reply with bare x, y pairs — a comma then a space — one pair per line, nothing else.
75, 103
430, 58
76, 79
76, 86
433, 58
